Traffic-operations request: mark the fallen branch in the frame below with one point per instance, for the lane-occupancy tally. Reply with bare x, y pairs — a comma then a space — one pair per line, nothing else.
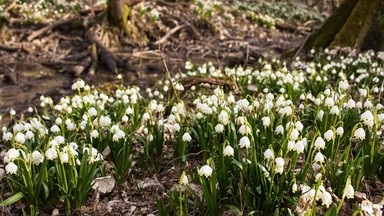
13, 48
169, 34
50, 27
10, 6
9, 48
188, 82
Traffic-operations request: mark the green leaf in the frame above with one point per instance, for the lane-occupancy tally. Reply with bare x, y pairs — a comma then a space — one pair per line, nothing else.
233, 209
46, 190
12, 199
332, 211
237, 164
277, 212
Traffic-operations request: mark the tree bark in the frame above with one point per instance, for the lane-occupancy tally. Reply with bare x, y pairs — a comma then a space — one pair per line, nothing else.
115, 12
356, 23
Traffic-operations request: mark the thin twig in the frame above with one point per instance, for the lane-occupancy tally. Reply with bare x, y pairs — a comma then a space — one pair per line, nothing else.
169, 34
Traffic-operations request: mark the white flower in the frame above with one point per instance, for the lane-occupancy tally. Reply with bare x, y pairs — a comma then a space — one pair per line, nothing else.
351, 104
105, 121
319, 158
319, 143
291, 145
299, 147
60, 140
219, 128
328, 135
380, 117
340, 131
120, 134
176, 127
92, 111
245, 142
223, 117
64, 158
343, 85
299, 126
146, 117
371, 209
79, 84
12, 112
349, 191
240, 120
71, 126
243, 103
150, 138
51, 154
335, 110
266, 121
294, 134
13, 154
184, 179
359, 105
199, 115
205, 170
37, 157
228, 151
329, 102
129, 111
94, 134
11, 168
231, 99
244, 129
318, 178
363, 92
279, 129
326, 198
320, 115
55, 129
29, 135
268, 154
279, 162
367, 118
20, 138
359, 134
294, 187
368, 104
186, 137
124, 118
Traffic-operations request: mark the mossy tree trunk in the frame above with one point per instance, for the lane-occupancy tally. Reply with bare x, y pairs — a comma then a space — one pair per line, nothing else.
356, 23
117, 13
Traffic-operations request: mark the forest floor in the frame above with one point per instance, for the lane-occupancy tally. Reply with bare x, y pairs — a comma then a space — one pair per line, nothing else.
35, 63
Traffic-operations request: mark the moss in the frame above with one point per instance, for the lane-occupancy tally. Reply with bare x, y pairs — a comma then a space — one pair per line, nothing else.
357, 23
326, 33
374, 35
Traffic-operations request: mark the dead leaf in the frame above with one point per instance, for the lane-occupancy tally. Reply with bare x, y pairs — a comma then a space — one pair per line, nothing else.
150, 183
360, 195
55, 212
2, 172
104, 184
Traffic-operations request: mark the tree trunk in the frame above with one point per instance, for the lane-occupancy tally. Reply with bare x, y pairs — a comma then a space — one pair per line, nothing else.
115, 12
356, 23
